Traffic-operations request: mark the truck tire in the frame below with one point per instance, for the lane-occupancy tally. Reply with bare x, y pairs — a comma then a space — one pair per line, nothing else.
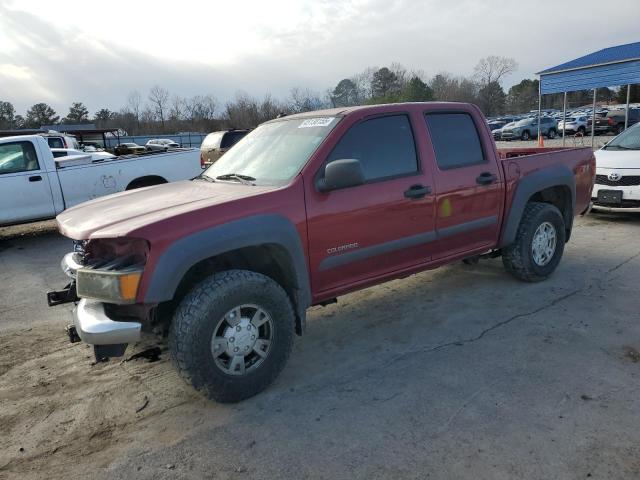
539, 243
232, 334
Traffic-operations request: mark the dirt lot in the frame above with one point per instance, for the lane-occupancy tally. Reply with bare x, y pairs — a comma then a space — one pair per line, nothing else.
462, 372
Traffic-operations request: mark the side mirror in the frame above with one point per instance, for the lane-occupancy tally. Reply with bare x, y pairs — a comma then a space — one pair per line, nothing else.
341, 174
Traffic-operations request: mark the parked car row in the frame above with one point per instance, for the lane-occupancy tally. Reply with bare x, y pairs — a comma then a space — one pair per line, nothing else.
578, 121
213, 146
153, 145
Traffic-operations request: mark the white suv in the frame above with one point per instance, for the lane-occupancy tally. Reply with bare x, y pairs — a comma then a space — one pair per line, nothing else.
574, 125
617, 187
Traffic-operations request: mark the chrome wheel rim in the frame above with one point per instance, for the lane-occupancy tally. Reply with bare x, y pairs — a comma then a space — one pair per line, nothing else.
242, 339
543, 245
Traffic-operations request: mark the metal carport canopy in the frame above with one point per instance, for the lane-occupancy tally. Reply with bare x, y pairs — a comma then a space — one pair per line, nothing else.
605, 68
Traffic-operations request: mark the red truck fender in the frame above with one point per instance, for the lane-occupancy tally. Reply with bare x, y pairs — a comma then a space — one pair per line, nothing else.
273, 232
546, 183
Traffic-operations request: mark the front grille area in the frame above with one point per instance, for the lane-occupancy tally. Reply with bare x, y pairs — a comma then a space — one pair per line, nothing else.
625, 181
624, 204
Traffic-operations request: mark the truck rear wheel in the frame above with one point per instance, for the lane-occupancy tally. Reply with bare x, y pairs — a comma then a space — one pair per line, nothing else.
539, 243
232, 334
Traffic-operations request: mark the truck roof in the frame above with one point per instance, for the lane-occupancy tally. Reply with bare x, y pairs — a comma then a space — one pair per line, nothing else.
341, 111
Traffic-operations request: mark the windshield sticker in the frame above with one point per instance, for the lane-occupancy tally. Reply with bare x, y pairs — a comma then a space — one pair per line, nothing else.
316, 122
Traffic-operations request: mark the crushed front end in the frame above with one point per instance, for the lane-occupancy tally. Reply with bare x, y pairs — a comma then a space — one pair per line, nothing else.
105, 276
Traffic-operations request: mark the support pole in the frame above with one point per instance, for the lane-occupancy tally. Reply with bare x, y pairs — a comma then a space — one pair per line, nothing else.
593, 119
626, 112
539, 105
564, 117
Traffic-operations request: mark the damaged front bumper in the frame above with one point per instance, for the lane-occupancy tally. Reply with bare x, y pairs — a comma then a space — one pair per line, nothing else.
96, 328
91, 323
109, 337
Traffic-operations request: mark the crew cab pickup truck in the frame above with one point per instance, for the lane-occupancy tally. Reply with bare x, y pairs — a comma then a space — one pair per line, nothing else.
302, 210
34, 185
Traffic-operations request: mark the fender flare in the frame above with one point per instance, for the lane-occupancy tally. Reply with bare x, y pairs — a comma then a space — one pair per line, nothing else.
553, 176
252, 231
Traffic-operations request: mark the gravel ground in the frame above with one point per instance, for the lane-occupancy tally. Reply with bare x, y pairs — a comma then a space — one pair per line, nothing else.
462, 372
557, 142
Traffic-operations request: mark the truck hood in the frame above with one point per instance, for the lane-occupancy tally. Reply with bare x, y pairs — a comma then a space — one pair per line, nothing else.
119, 214
618, 159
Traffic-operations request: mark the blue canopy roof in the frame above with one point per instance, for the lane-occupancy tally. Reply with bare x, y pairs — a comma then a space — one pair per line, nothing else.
605, 68
621, 53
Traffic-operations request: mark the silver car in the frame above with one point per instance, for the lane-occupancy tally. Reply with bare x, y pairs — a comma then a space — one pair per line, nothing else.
527, 128
161, 144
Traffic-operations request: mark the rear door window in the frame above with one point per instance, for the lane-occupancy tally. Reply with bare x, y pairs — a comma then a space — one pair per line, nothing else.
55, 142
18, 157
455, 140
231, 138
212, 140
385, 147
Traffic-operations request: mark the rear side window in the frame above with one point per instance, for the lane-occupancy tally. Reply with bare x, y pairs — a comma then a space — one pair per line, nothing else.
231, 138
18, 157
55, 142
384, 146
455, 140
212, 140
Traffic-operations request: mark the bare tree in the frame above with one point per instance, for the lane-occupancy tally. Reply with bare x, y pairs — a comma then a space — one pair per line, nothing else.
362, 82
492, 68
209, 105
304, 100
134, 102
159, 98
400, 73
177, 107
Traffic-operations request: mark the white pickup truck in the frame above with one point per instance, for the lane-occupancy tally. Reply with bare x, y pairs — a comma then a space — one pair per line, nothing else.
36, 186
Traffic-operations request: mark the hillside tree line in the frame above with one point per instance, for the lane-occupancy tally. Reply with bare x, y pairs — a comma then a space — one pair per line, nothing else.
161, 112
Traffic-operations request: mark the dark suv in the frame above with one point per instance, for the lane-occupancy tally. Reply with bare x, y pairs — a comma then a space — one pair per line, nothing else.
613, 122
217, 143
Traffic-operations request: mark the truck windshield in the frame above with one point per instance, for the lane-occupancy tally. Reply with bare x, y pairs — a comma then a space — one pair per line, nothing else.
274, 152
627, 140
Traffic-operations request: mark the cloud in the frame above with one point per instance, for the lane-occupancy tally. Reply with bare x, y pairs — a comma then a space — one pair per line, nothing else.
94, 54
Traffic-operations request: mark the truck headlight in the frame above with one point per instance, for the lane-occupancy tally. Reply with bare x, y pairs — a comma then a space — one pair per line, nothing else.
109, 286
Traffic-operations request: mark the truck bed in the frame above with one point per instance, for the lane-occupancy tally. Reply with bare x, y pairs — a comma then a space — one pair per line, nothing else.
521, 162
80, 160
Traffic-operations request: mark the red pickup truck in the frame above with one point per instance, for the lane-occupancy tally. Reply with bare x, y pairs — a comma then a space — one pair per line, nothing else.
302, 210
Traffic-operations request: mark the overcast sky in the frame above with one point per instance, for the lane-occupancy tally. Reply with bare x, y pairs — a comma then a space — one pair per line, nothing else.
97, 52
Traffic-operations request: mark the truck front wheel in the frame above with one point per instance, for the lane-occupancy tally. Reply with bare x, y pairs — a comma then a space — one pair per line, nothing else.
232, 334
539, 243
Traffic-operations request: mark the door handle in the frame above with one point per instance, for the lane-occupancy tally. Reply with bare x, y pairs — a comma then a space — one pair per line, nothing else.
486, 178
417, 191
35, 178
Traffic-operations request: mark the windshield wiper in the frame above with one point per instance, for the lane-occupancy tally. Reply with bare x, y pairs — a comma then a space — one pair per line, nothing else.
621, 147
246, 179
202, 176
